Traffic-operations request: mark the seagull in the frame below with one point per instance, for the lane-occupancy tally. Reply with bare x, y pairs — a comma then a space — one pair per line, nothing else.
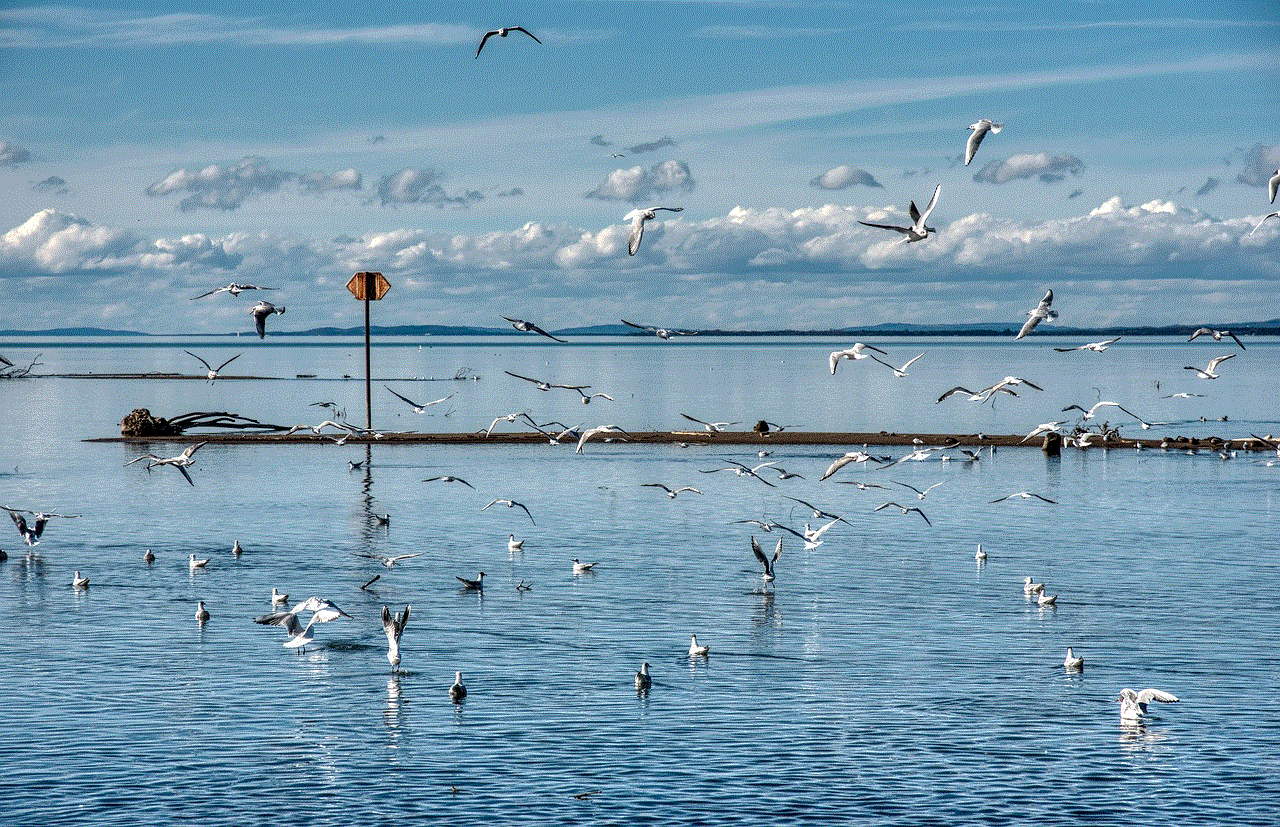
213, 372
512, 504
642, 678
586, 398
1133, 705
457, 692
1046, 599
768, 562
711, 427
696, 650
743, 471
511, 417
1073, 661
904, 509
979, 396
181, 461
546, 386
818, 513
149, 557
898, 372
194, 563
388, 561
1044, 428
322, 610
394, 627
31, 534
260, 312
1264, 221
980, 555
1273, 185
476, 585
529, 327
918, 230
980, 130
503, 32
1208, 372
1089, 414
419, 408
79, 581
855, 353
514, 545
599, 429
672, 493
1217, 335
278, 598
852, 456
450, 478
1029, 586
202, 614
523, 586
813, 536
1183, 395
919, 494
1042, 313
1096, 347
234, 288
580, 567
1023, 495
637, 225
864, 486
660, 332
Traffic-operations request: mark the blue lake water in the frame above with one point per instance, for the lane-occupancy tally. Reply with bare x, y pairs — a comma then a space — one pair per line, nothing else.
885, 677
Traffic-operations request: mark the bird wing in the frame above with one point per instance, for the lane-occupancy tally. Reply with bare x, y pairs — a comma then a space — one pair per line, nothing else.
1213, 364
1028, 326
637, 233
210, 293
1147, 695
975, 138
525, 378
953, 391
759, 553
185, 474
909, 363
893, 227
484, 40
1237, 339
224, 364
1273, 185
526, 511
933, 202
523, 29
197, 358
691, 419
639, 326
537, 329
405, 398
260, 322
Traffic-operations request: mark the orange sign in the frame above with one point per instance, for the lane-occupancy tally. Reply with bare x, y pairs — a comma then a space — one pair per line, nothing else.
371, 286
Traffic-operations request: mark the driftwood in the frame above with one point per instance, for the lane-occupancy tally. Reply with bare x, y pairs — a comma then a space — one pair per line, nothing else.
140, 422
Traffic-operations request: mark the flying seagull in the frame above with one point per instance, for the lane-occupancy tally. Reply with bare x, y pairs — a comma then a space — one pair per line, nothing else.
918, 230
529, 327
31, 534
1210, 371
450, 478
234, 288
766, 561
599, 429
660, 332
1096, 347
419, 408
637, 225
672, 493
1217, 335
394, 627
503, 32
260, 312
904, 509
213, 372
1258, 226
181, 461
980, 130
1272, 186
852, 456
898, 372
1023, 495
512, 504
710, 426
1042, 313
854, 353
546, 386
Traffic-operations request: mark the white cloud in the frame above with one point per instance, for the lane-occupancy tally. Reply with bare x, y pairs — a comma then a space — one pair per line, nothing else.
843, 176
639, 184
1048, 167
347, 179
218, 187
1260, 163
421, 186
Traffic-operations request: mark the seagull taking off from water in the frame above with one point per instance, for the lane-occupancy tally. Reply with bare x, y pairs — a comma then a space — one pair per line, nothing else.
768, 562
1216, 334
512, 504
918, 230
503, 32
260, 312
1133, 705
529, 327
1210, 371
1042, 313
855, 353
394, 627
234, 288
638, 217
213, 372
31, 534
980, 130
419, 408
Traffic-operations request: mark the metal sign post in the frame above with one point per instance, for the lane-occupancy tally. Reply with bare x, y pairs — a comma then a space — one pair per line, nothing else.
368, 287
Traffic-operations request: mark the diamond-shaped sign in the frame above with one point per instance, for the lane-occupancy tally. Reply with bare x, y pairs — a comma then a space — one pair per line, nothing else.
371, 286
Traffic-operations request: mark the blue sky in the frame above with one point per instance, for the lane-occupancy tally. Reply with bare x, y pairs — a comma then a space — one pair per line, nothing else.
151, 152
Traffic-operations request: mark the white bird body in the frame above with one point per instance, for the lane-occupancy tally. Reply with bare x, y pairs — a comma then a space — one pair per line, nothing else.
599, 429
393, 626
1072, 660
980, 555
840, 462
194, 563
1210, 372
457, 691
79, 581
1096, 347
202, 614
980, 130
918, 230
1041, 313
514, 545
580, 567
260, 312
855, 353
1029, 586
278, 598
637, 225
696, 649
643, 681
234, 288
1044, 599
1133, 705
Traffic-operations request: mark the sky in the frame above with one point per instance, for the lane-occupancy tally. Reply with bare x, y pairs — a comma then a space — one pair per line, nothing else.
151, 152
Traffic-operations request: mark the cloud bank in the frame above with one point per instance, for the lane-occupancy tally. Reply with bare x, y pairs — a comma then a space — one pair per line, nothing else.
639, 184
1049, 168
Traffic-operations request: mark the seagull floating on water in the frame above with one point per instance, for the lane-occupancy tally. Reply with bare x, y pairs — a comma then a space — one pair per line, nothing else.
1029, 586
476, 585
514, 545
193, 563
637, 225
980, 130
855, 353
580, 567
919, 230
1216, 334
1073, 661
202, 614
1133, 705
1041, 313
530, 327
503, 32
394, 628
643, 681
457, 692
696, 649
260, 312
79, 581
278, 598
1210, 371
980, 555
